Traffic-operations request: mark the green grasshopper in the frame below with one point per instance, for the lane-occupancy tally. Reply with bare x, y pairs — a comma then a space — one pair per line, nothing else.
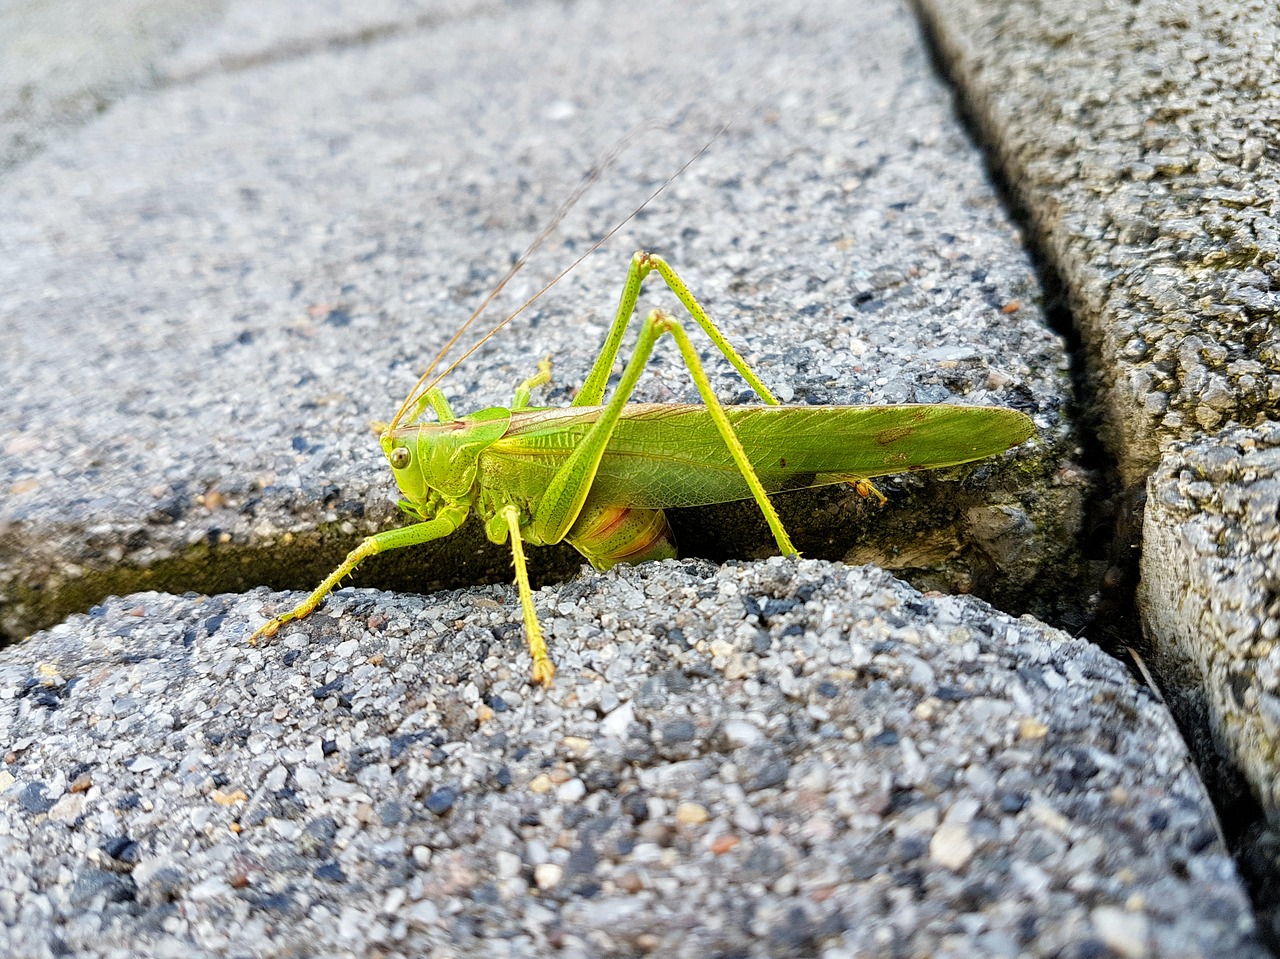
598, 475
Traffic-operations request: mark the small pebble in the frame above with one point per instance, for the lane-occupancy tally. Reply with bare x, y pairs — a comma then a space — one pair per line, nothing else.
35, 798
442, 800
1032, 729
571, 791
576, 745
1125, 932
691, 813
507, 865
68, 808
540, 783
741, 732
723, 844
421, 914
951, 846
547, 875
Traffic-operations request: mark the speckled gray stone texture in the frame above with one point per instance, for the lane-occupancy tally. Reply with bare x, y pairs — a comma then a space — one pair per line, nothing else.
252, 35
1210, 564
1141, 139
210, 291
780, 758
62, 62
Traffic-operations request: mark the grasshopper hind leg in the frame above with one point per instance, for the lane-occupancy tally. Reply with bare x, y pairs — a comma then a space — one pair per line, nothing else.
642, 264
566, 495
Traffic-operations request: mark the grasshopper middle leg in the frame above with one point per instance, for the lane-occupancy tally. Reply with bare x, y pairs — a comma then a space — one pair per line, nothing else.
568, 490
642, 264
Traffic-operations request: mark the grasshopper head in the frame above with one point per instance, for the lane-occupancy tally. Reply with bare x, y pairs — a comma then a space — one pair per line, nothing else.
441, 458
401, 449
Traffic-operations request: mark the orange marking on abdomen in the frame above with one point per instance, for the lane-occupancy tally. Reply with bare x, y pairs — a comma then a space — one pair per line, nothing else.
611, 518
644, 543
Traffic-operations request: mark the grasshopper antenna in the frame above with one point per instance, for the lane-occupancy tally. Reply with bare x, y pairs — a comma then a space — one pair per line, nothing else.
591, 177
594, 173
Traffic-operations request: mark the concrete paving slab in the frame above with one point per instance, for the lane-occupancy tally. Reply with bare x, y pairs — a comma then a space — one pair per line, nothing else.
1140, 141
776, 758
62, 62
212, 289
250, 35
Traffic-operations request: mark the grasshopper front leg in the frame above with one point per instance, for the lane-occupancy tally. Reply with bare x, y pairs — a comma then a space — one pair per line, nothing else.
544, 670
445, 522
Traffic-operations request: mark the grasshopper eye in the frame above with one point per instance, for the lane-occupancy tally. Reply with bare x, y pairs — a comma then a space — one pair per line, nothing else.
399, 458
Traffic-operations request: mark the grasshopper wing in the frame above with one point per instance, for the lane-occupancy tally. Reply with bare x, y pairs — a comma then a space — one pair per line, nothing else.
670, 455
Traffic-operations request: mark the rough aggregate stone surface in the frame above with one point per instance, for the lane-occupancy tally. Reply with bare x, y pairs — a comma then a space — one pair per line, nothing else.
1210, 564
768, 759
62, 62
211, 288
1141, 140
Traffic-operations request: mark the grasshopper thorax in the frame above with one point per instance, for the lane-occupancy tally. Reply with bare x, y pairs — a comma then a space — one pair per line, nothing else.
442, 458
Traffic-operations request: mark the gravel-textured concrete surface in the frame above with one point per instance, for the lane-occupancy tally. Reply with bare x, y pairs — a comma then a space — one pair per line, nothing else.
62, 62
211, 290
207, 292
251, 35
1141, 140
770, 759
1209, 568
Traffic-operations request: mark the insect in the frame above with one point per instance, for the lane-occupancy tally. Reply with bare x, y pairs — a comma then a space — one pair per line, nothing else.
598, 474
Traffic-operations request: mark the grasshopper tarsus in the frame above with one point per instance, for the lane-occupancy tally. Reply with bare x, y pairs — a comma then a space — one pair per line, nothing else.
543, 672
867, 490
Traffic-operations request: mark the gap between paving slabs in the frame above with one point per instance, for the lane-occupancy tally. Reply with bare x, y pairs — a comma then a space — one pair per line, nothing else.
942, 530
